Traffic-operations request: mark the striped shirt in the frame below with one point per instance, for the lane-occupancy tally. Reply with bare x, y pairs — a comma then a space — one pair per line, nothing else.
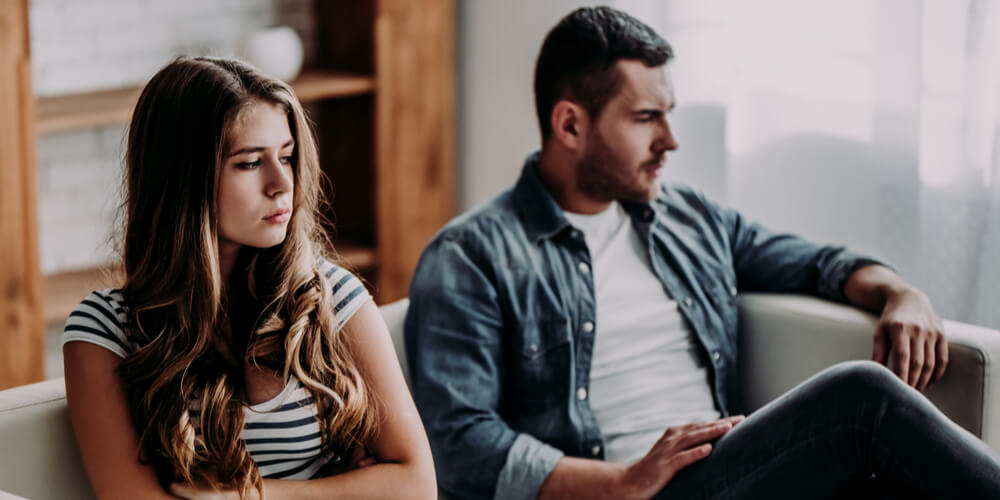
282, 434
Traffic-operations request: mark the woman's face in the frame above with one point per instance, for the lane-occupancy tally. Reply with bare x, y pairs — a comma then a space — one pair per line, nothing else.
256, 181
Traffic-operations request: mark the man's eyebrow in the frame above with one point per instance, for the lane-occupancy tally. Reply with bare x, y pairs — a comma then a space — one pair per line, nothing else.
257, 149
657, 110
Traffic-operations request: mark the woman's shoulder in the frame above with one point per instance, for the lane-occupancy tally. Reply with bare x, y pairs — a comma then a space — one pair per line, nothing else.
340, 278
347, 290
100, 319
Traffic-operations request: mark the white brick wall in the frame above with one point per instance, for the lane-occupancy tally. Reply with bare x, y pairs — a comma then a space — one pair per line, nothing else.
78, 179
85, 45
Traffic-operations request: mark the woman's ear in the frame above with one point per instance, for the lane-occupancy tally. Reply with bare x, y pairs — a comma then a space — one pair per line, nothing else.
569, 124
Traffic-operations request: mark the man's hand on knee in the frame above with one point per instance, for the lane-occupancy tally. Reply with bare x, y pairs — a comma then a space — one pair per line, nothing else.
678, 448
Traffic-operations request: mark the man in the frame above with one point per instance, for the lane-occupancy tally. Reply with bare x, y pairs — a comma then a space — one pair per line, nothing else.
576, 336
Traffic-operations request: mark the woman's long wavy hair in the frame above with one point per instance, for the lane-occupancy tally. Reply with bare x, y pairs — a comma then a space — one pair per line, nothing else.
197, 333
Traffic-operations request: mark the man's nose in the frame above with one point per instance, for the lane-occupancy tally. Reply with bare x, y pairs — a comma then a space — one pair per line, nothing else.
666, 141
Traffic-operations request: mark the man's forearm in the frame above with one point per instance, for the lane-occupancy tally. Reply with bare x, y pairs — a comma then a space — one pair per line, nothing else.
583, 478
870, 287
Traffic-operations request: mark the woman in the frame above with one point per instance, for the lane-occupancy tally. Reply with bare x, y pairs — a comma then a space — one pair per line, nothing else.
235, 361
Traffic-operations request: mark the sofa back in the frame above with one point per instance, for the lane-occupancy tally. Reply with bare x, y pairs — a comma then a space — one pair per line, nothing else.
783, 340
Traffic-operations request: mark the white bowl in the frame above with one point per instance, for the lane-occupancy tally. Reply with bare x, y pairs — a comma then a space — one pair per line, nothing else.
275, 51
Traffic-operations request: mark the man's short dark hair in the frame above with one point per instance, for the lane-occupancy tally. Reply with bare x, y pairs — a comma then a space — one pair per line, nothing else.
578, 56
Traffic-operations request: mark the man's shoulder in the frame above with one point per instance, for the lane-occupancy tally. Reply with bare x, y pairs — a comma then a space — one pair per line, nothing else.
475, 243
680, 195
678, 190
482, 222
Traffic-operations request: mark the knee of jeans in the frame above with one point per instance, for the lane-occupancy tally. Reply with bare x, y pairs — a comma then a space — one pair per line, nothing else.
864, 377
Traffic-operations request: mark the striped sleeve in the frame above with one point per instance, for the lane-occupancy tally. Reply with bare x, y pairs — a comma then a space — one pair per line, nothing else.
99, 319
349, 293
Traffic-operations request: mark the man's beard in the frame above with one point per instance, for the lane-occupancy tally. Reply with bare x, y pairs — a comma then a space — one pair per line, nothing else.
600, 175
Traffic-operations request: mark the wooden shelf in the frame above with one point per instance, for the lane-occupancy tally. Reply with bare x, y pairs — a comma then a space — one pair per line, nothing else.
109, 107
316, 85
63, 291
358, 258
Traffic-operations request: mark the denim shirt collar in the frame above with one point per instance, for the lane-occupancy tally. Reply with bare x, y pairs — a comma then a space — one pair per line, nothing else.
541, 214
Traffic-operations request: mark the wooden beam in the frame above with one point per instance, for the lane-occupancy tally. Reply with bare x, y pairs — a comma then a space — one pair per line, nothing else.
22, 333
415, 149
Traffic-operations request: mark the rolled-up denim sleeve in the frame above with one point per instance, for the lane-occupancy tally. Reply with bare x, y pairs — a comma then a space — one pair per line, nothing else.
775, 262
453, 334
529, 463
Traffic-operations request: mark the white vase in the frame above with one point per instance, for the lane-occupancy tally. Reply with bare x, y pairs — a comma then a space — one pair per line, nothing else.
275, 51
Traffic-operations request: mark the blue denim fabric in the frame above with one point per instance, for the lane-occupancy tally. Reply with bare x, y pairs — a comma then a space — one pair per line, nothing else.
499, 359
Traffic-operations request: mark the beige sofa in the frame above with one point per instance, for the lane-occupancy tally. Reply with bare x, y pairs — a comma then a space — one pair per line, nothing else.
784, 339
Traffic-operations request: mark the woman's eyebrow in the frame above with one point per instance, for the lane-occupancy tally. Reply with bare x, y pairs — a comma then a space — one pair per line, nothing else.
257, 149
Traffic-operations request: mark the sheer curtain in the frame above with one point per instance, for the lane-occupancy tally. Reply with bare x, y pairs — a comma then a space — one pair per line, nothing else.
873, 124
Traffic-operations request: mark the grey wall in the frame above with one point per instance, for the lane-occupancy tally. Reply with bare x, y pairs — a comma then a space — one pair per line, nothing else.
498, 43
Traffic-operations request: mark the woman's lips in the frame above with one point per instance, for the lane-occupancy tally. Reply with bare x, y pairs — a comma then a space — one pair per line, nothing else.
279, 217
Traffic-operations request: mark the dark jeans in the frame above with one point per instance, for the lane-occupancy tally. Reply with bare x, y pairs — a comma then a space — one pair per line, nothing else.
829, 436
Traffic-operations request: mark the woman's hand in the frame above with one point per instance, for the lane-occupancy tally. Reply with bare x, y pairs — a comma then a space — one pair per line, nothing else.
360, 458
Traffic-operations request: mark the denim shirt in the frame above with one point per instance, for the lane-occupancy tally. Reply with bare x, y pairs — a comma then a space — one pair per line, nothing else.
495, 336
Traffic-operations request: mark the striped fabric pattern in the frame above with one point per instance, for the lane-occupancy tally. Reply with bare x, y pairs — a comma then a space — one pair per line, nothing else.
282, 434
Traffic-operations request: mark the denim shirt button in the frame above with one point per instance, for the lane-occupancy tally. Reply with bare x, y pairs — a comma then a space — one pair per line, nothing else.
732, 291
717, 356
688, 301
596, 450
581, 393
588, 326
576, 234
533, 348
584, 268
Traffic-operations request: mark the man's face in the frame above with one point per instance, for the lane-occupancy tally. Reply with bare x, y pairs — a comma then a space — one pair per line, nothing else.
626, 146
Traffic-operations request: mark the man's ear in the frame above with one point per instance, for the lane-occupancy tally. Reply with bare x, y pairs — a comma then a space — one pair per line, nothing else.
569, 124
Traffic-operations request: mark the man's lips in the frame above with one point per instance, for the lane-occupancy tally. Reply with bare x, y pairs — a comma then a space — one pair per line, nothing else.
655, 164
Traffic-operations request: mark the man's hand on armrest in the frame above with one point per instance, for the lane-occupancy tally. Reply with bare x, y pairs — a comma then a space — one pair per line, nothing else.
908, 326
678, 448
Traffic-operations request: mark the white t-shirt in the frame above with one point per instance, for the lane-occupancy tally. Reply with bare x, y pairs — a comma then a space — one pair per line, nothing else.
282, 434
648, 371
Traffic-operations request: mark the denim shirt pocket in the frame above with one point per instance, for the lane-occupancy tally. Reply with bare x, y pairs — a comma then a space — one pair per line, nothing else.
543, 365
721, 292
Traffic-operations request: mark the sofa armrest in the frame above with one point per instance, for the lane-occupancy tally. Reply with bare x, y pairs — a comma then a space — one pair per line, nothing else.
785, 339
394, 314
39, 458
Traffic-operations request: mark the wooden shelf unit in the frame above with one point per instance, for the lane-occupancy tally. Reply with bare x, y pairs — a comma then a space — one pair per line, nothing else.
109, 107
381, 93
